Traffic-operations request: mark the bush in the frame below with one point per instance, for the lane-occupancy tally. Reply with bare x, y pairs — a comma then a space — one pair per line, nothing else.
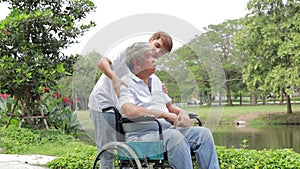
81, 156
74, 154
58, 112
230, 158
28, 141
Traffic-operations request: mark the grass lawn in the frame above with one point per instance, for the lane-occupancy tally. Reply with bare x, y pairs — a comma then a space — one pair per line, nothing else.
228, 114
252, 113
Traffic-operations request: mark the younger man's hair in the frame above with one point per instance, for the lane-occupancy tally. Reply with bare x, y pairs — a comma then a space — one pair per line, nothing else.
166, 38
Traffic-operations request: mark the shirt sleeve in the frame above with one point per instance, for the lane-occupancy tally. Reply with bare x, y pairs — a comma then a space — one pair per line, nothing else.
117, 56
126, 95
157, 88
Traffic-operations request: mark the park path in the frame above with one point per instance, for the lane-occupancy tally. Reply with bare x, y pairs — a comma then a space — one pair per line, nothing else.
14, 161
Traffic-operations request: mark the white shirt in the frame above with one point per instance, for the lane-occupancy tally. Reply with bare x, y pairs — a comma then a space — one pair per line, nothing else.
139, 94
103, 94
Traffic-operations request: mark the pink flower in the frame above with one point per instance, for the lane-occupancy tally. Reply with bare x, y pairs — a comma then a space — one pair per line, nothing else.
4, 96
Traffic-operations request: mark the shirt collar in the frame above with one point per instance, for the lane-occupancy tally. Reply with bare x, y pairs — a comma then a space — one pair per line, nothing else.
137, 79
134, 77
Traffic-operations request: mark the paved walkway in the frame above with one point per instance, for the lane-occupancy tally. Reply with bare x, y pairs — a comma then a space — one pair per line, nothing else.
13, 161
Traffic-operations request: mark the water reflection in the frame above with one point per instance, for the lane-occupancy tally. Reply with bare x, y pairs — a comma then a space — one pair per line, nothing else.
259, 137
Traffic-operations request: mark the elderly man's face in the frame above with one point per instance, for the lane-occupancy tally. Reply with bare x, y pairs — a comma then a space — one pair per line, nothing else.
148, 63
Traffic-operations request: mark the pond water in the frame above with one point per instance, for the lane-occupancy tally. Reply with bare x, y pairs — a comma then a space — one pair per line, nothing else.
259, 137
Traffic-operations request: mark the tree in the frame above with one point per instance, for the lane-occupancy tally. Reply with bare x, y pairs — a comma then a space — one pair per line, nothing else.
173, 88
270, 43
196, 70
222, 36
33, 37
178, 74
200, 84
85, 76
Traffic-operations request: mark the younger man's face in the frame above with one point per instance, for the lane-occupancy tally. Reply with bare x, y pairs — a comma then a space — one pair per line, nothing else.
158, 46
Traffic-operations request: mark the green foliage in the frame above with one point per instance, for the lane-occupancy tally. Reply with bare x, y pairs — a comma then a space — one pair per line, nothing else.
33, 37
72, 154
80, 156
171, 85
6, 106
85, 75
221, 37
22, 140
57, 110
270, 44
71, 123
60, 114
179, 72
230, 158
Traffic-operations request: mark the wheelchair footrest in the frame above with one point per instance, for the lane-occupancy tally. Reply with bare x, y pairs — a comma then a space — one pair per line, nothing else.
152, 150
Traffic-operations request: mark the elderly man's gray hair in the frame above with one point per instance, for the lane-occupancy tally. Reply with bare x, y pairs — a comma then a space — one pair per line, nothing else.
136, 51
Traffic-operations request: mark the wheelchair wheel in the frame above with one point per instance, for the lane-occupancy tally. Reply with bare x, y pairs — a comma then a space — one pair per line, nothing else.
121, 148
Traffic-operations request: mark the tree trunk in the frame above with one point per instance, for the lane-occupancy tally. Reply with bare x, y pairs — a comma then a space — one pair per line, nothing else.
241, 98
264, 100
12, 113
288, 103
228, 95
254, 99
208, 98
282, 94
200, 98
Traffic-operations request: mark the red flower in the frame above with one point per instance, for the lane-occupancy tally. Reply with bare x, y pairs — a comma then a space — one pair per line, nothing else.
67, 101
46, 89
4, 96
57, 95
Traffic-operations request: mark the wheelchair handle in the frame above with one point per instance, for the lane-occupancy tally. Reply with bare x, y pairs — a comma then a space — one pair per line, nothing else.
195, 116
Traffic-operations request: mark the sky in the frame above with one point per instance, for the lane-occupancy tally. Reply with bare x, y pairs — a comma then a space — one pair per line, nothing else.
195, 14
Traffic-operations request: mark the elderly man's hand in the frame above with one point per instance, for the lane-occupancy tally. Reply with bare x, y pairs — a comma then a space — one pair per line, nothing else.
170, 117
183, 118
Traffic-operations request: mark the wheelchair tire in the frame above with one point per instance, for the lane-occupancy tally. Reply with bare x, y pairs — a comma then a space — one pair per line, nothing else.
116, 146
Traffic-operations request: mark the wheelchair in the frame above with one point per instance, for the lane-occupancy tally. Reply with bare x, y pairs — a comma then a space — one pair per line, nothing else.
138, 154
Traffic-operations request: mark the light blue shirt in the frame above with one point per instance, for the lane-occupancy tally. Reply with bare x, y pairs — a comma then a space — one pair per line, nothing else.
139, 94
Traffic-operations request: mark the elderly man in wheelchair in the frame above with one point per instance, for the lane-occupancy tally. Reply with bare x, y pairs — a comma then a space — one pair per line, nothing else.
143, 97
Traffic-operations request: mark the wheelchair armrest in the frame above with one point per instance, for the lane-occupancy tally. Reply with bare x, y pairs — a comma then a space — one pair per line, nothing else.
142, 119
138, 119
195, 116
